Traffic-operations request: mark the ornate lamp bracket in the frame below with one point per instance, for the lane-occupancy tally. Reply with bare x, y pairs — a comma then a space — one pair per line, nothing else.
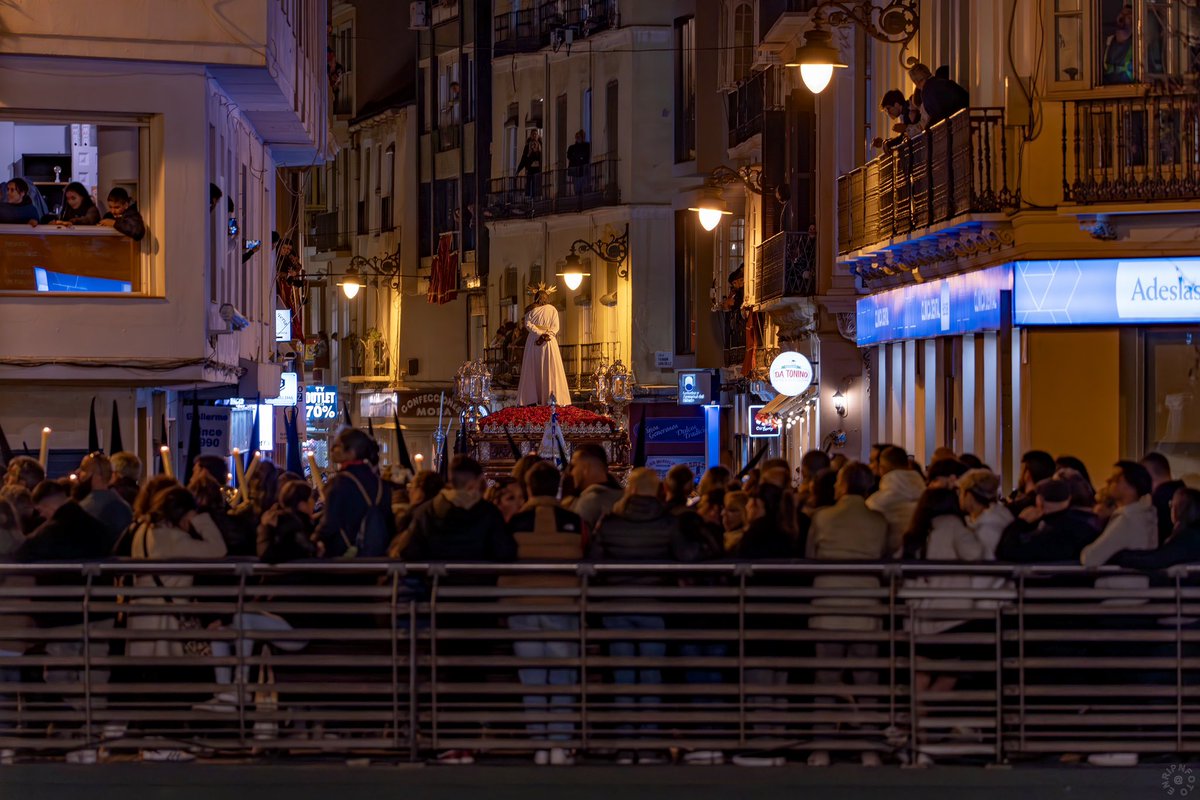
896, 22
615, 250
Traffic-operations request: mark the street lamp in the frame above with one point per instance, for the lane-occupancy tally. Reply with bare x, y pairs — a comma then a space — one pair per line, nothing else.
386, 267
817, 58
894, 23
572, 271
351, 283
614, 251
839, 403
711, 206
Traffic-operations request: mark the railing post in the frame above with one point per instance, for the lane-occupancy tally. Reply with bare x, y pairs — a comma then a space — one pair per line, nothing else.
741, 669
87, 653
393, 620
584, 583
950, 187
414, 698
239, 683
433, 656
999, 628
1178, 664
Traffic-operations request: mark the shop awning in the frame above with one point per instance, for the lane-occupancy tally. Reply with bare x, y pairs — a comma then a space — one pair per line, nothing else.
783, 406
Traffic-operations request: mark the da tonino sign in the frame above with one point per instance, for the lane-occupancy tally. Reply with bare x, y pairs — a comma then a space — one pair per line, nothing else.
791, 373
1106, 291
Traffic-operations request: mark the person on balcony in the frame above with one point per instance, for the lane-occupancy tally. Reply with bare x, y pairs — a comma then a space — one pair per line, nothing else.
940, 96
20, 207
542, 374
906, 116
1118, 50
123, 215
78, 208
531, 163
579, 155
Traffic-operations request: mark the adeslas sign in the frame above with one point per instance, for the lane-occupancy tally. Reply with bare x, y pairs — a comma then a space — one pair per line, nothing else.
1106, 291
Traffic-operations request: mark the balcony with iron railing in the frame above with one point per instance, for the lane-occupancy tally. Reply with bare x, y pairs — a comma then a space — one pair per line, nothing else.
957, 168
562, 190
786, 266
579, 362
751, 101
326, 236
528, 30
1131, 149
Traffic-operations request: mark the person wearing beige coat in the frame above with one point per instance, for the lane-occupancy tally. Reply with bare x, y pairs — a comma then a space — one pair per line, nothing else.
177, 532
847, 531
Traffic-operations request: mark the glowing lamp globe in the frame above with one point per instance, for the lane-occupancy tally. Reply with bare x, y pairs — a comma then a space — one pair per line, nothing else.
817, 58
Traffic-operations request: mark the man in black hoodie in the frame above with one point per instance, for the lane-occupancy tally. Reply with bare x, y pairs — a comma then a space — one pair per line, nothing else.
640, 528
459, 525
68, 534
123, 215
1049, 531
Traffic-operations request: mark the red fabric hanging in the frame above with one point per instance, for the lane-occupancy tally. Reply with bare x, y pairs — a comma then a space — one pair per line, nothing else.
443, 276
752, 344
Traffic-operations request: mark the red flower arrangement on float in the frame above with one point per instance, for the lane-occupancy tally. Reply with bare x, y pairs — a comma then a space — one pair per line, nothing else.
533, 419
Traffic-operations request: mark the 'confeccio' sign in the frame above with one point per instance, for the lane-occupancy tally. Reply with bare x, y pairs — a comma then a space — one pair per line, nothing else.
791, 373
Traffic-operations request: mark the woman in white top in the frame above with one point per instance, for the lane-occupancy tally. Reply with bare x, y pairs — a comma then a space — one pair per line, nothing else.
939, 533
176, 532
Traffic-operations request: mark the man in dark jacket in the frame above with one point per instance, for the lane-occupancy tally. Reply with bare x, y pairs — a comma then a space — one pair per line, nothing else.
96, 498
940, 96
1163, 491
459, 525
68, 534
640, 528
1050, 531
355, 492
123, 215
1183, 544
541, 486
578, 156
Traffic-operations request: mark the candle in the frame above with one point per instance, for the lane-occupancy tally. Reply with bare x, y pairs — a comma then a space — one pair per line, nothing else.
253, 464
168, 467
240, 470
45, 451
418, 461
317, 481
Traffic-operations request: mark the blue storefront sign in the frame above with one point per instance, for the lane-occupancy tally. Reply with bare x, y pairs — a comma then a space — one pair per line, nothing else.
957, 304
1101, 291
674, 430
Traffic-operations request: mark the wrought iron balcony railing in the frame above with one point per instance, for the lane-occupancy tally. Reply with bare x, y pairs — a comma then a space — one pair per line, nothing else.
754, 97
957, 167
579, 362
1121, 149
528, 30
786, 266
557, 191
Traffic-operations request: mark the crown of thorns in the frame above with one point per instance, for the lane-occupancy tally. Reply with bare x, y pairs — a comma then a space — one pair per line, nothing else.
534, 288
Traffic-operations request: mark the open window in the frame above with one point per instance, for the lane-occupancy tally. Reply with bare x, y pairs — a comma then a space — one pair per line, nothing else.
53, 238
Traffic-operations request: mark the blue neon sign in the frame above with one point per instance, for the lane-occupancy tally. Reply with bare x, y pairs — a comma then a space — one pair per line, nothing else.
948, 306
1102, 291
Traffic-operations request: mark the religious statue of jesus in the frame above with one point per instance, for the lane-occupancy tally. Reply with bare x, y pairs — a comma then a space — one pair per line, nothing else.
542, 373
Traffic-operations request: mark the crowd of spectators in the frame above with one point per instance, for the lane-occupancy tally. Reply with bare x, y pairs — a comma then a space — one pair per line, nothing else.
831, 510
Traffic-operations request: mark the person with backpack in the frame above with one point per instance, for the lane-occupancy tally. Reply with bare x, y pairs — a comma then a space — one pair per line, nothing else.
357, 521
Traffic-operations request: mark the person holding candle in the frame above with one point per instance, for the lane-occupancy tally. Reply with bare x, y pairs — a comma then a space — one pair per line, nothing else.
357, 520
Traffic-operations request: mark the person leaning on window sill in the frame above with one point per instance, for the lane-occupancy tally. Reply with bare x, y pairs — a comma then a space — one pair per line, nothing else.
123, 215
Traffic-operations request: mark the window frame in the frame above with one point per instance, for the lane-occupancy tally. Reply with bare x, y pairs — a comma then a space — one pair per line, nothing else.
151, 266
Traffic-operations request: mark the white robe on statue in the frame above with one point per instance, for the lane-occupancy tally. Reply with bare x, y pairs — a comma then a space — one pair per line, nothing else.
542, 372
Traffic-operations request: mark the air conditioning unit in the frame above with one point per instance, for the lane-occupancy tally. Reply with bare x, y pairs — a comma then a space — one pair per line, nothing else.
418, 16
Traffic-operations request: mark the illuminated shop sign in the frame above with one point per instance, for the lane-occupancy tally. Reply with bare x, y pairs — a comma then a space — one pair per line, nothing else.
1100, 291
957, 304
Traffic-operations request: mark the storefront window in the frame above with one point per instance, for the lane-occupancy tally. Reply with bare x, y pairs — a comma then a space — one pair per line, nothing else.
1173, 397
